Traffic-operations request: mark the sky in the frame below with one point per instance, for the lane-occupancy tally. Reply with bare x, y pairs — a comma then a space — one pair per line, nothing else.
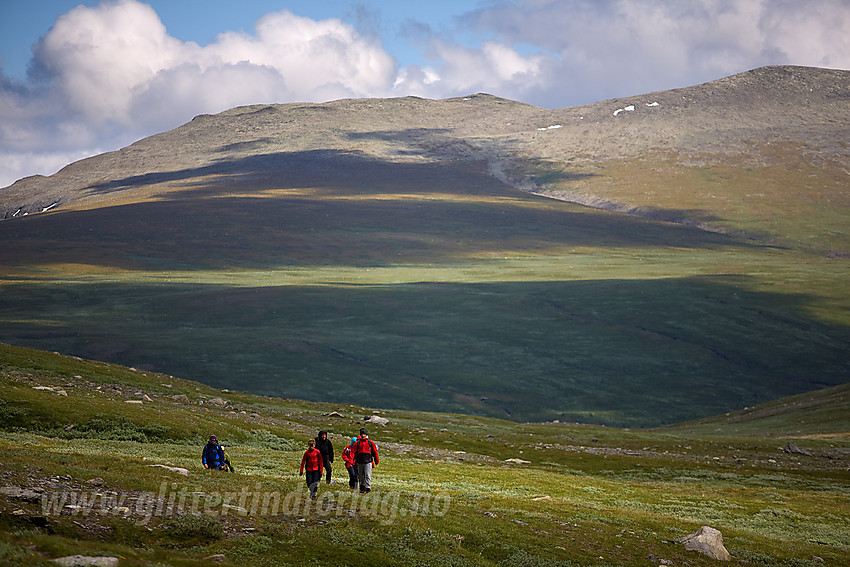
81, 77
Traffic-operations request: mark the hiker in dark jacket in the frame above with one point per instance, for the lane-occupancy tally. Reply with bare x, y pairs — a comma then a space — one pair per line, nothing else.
326, 448
213, 455
366, 456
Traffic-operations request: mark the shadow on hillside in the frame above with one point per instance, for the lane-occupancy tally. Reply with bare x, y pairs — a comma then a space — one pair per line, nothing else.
236, 169
405, 136
331, 171
621, 352
345, 210
331, 228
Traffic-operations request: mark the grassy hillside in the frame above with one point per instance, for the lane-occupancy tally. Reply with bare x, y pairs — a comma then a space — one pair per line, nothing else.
450, 489
804, 416
392, 252
546, 309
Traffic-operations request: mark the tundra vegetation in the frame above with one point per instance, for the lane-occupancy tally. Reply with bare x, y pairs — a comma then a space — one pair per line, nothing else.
101, 460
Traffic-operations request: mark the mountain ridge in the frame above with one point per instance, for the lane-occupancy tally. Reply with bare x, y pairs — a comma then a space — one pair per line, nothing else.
720, 117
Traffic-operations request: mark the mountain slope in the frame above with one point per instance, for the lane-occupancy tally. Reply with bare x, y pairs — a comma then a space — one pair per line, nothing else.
791, 117
381, 252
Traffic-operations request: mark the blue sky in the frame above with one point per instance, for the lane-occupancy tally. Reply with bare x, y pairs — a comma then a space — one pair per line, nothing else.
82, 77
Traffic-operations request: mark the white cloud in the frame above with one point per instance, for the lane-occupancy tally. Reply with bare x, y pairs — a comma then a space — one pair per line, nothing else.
310, 55
598, 49
493, 68
174, 95
107, 59
101, 57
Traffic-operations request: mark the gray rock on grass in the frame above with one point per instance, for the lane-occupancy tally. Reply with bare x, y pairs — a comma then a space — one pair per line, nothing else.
707, 541
86, 561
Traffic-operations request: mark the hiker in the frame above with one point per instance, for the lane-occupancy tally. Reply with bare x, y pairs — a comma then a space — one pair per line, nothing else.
312, 459
326, 448
366, 456
350, 464
213, 455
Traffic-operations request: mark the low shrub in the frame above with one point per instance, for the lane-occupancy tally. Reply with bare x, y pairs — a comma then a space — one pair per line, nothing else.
265, 439
118, 428
195, 529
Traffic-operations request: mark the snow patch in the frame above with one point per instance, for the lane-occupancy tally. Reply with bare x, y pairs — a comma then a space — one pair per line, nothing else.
553, 127
629, 108
48, 207
652, 103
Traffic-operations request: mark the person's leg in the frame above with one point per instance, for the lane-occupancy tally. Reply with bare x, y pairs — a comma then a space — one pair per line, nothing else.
366, 481
313, 478
352, 476
328, 468
361, 476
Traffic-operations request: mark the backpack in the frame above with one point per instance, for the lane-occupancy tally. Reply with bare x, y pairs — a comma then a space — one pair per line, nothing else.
362, 456
227, 460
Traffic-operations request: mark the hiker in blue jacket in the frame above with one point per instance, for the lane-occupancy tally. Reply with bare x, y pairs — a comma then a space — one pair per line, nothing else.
213, 455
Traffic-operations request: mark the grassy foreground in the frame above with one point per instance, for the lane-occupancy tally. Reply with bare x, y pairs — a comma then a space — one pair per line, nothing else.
451, 489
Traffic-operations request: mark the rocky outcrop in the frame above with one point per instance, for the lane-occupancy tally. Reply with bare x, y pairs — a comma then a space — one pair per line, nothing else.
178, 470
376, 419
25, 494
707, 541
791, 448
85, 561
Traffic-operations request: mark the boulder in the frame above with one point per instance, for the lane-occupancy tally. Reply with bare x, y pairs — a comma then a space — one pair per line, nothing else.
84, 561
25, 494
376, 419
217, 402
179, 470
707, 541
791, 448
182, 398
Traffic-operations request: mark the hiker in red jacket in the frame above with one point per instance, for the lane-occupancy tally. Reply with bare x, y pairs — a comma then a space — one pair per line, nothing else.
312, 459
366, 456
350, 464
